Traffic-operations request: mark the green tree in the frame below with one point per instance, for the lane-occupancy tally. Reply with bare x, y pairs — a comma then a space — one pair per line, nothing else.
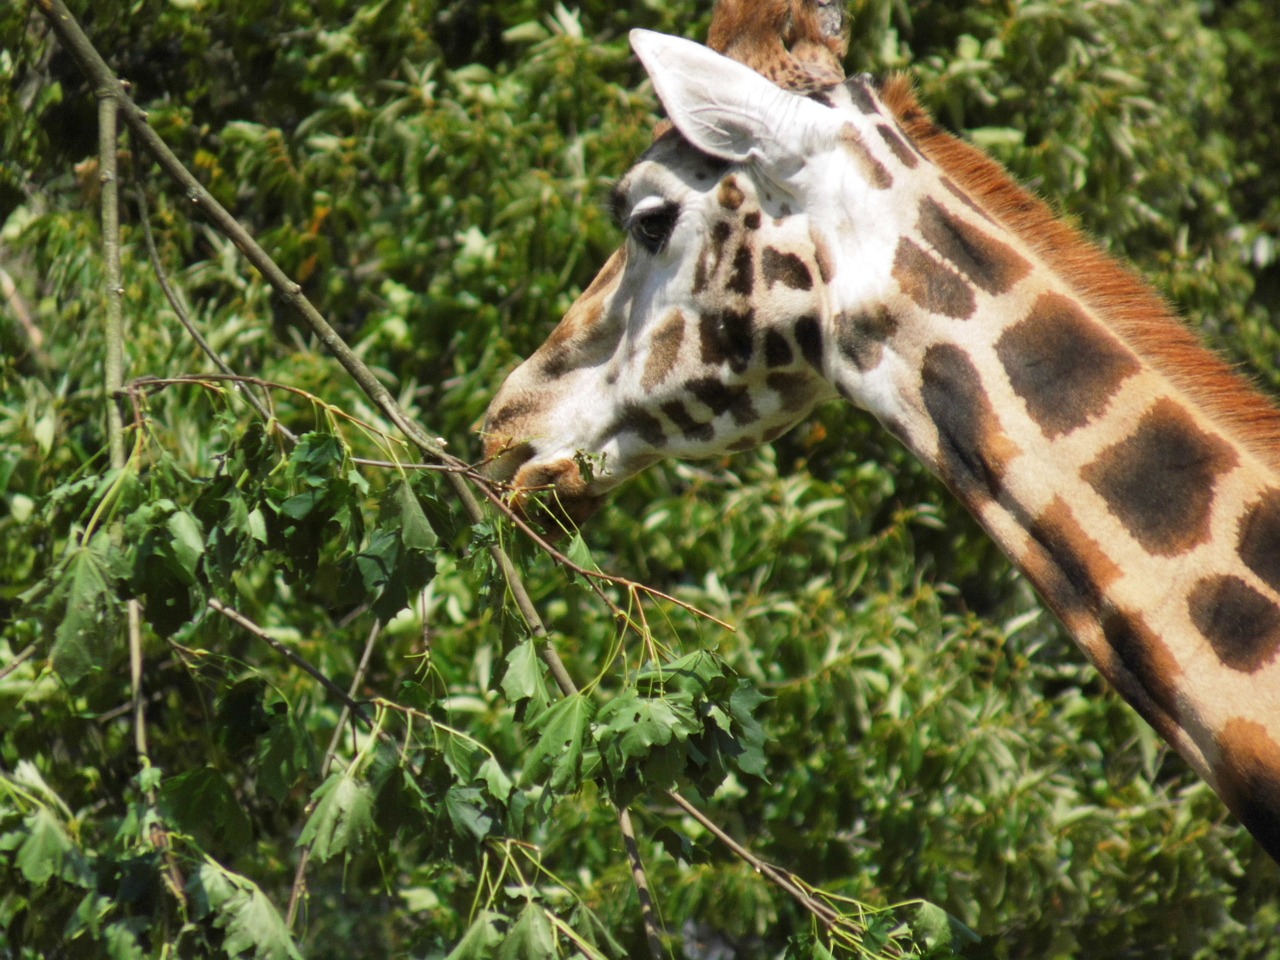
345, 736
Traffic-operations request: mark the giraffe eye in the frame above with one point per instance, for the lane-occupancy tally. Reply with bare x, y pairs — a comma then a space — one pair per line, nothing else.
651, 227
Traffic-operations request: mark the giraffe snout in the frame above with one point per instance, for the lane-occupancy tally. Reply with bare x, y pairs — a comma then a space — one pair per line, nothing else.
554, 493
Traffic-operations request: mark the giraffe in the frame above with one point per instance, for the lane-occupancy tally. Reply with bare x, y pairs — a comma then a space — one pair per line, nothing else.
785, 247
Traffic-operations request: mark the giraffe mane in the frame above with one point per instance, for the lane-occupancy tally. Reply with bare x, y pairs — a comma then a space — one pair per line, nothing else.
1136, 312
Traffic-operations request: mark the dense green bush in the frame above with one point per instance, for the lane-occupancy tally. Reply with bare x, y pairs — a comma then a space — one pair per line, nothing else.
892, 719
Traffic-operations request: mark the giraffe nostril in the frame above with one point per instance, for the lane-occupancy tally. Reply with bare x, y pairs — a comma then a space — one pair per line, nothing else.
504, 458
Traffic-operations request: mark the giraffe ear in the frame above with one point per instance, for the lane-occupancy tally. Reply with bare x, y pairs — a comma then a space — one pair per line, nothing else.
724, 108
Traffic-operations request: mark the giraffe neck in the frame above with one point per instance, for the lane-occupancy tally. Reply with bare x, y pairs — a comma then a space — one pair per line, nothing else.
1117, 463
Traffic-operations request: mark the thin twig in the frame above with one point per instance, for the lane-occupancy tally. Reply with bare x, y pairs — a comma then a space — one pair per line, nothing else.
19, 659
184, 315
568, 564
299, 887
113, 378
35, 336
240, 619
113, 317
832, 918
652, 927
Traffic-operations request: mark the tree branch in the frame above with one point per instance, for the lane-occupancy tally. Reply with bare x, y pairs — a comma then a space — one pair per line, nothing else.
238, 618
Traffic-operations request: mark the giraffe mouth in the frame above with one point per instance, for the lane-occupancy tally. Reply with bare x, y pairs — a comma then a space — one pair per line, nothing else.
553, 493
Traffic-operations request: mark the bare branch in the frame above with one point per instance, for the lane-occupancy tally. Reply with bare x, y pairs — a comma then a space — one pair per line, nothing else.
184, 315
19, 659
240, 619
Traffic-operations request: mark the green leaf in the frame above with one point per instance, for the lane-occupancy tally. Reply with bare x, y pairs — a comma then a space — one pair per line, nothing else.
284, 754
83, 613
45, 849
399, 559
481, 937
634, 725
462, 756
939, 931
468, 812
531, 937
342, 817
401, 511
249, 921
563, 732
578, 552
188, 541
496, 779
742, 705
200, 802
524, 672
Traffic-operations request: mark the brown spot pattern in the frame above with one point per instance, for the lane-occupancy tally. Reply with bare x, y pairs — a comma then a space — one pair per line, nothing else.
1149, 662
1159, 481
906, 156
777, 351
990, 263
664, 349
516, 409
862, 336
639, 421
679, 415
720, 234
785, 268
742, 277
1260, 538
793, 389
721, 398
579, 340
822, 256
1073, 572
726, 335
872, 170
730, 194
973, 452
861, 96
1248, 775
809, 340
1241, 625
931, 285
1064, 367
964, 198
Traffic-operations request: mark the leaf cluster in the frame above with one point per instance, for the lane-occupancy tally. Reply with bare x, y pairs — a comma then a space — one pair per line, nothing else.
893, 721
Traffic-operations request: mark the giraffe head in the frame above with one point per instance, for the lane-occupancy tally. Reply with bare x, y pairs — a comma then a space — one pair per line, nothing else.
709, 330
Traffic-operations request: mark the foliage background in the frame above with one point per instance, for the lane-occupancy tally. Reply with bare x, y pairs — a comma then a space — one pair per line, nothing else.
432, 173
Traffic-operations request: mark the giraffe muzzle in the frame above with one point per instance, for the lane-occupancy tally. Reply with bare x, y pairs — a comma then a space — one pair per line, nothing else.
553, 493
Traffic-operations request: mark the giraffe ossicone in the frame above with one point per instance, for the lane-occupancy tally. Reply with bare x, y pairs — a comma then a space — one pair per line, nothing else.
785, 249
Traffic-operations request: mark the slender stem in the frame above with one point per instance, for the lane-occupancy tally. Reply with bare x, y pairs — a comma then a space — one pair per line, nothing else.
113, 333
240, 619
822, 911
35, 336
184, 316
652, 928
299, 888
19, 658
